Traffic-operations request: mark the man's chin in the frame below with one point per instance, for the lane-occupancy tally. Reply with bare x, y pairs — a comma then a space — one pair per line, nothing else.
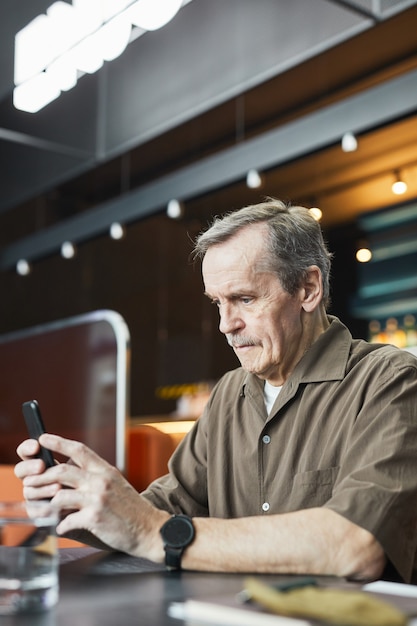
253, 368
248, 366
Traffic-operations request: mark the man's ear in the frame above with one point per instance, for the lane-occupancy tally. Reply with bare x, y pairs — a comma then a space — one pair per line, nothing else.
312, 289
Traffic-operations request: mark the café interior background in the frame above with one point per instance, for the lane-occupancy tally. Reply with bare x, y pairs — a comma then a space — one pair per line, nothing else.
184, 113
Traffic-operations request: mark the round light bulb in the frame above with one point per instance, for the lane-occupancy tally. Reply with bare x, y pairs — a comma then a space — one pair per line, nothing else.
174, 209
316, 213
67, 250
117, 231
23, 267
253, 179
349, 142
363, 255
399, 187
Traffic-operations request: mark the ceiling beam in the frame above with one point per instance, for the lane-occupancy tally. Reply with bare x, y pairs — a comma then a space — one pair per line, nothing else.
43, 144
359, 113
360, 10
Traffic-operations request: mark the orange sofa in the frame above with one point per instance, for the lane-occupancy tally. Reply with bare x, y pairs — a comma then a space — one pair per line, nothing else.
150, 446
10, 486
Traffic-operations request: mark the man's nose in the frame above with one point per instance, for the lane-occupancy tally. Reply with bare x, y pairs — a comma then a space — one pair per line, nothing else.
229, 320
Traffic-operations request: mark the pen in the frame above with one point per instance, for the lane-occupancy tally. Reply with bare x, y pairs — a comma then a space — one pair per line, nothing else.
202, 612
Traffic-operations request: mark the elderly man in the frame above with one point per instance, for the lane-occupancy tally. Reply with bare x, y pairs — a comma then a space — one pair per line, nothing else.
304, 460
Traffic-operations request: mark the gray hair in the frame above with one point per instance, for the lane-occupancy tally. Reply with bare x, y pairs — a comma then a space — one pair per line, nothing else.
295, 241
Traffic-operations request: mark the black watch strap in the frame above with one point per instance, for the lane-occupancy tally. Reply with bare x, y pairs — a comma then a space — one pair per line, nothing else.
173, 557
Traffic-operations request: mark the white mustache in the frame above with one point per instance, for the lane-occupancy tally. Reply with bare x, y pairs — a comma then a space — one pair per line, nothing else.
237, 340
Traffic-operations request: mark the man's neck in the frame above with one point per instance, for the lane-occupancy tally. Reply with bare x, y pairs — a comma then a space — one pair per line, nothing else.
314, 325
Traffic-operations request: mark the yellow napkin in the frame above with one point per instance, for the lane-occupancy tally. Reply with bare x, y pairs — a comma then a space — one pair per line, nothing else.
335, 606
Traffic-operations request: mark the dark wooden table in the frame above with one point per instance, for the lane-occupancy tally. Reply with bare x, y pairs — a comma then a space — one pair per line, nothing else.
102, 589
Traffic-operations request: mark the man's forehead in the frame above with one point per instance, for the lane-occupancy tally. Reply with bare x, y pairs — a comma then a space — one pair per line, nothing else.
248, 243
234, 280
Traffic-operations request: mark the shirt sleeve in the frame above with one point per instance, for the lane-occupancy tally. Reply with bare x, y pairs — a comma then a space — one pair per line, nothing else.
184, 489
376, 487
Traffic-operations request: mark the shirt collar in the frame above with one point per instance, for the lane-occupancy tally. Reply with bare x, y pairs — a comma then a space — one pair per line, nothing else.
325, 360
327, 357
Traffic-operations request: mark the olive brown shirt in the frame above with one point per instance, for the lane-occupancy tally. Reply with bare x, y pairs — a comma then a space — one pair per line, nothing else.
342, 434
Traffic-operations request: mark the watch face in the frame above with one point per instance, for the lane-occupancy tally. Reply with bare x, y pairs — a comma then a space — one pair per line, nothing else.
178, 531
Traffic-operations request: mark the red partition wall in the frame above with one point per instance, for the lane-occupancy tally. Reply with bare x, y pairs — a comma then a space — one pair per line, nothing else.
78, 371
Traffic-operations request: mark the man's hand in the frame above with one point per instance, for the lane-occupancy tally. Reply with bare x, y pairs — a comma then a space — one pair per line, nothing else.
93, 496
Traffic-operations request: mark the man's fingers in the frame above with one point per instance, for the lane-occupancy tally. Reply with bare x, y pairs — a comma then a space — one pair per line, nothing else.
75, 520
27, 468
46, 492
28, 449
78, 452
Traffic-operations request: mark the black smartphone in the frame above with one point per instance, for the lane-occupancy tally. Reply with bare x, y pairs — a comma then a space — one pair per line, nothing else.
35, 426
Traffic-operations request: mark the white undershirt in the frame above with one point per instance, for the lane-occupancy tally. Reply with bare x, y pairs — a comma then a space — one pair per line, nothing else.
270, 395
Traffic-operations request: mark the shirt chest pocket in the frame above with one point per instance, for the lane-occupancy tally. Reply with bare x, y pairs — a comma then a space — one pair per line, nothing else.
312, 488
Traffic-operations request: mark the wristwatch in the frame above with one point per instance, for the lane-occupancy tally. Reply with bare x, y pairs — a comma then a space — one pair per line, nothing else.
177, 533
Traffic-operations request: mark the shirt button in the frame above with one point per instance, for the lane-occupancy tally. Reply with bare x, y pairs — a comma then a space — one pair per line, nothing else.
265, 506
266, 439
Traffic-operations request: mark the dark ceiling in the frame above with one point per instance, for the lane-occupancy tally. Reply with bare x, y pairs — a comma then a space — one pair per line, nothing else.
186, 109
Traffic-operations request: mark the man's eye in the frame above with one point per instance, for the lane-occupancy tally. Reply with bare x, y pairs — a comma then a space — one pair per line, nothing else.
246, 300
215, 302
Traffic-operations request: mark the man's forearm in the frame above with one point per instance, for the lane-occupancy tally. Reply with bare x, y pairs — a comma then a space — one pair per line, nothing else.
315, 541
